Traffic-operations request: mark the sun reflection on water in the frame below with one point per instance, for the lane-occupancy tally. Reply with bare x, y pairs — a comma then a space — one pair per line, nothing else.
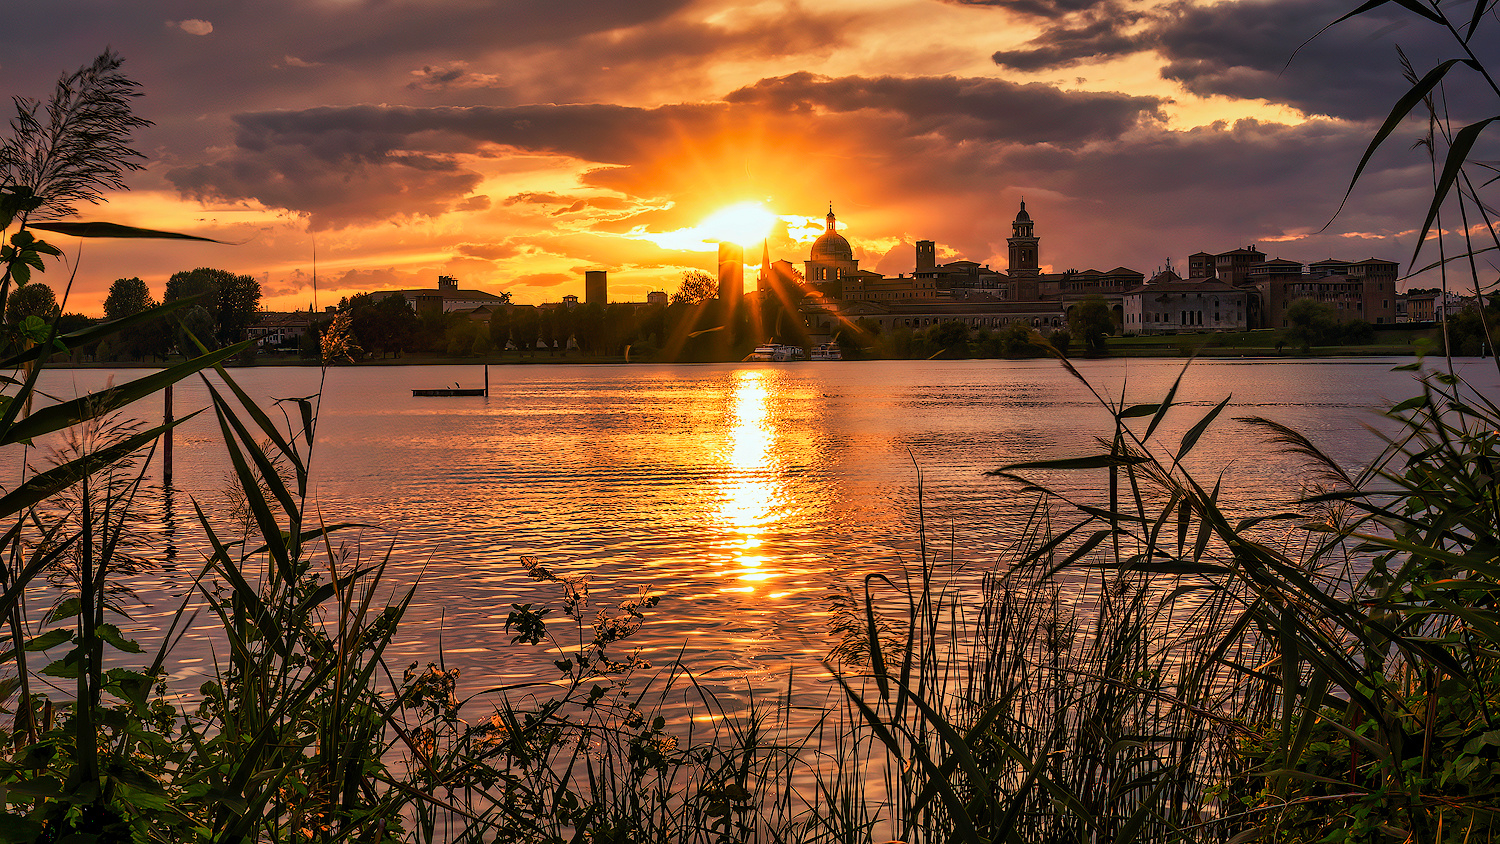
750, 497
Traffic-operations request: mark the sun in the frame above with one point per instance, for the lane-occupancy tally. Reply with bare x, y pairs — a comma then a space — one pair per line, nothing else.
745, 223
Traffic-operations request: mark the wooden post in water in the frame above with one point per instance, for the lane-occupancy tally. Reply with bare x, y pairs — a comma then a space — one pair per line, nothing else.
166, 445
486, 379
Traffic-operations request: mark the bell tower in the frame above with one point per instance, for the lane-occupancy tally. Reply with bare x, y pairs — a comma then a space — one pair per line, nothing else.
1023, 247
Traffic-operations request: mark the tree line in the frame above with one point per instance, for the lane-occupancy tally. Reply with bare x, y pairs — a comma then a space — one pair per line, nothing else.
226, 306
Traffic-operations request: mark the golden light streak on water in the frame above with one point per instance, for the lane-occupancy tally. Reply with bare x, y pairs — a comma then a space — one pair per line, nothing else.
750, 497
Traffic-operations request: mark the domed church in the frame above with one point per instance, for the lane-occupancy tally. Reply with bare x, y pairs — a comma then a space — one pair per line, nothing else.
831, 261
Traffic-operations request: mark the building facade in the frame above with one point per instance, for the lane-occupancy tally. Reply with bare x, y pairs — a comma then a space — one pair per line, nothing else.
1170, 304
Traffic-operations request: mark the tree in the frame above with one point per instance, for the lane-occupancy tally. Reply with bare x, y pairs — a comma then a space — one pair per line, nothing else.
859, 343
564, 326
524, 328
547, 329
464, 338
34, 299
588, 327
1089, 322
127, 296
500, 329
230, 299
951, 339
697, 287
239, 301
387, 325
196, 324
1310, 323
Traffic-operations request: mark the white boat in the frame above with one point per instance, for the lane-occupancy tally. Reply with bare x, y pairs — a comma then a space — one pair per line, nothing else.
775, 352
827, 351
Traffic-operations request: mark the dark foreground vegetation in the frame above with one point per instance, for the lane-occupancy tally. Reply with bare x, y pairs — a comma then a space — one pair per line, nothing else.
1144, 667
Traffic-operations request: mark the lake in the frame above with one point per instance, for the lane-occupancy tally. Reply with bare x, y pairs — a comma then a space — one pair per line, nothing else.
745, 495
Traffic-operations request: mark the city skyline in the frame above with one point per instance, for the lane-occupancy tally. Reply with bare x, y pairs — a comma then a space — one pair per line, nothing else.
517, 147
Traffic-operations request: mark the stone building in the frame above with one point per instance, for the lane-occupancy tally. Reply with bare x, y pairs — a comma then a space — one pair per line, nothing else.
1170, 304
448, 297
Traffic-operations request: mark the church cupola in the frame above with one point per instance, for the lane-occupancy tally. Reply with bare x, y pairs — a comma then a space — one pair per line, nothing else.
831, 260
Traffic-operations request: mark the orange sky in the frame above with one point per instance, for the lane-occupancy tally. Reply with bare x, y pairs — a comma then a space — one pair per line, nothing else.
516, 145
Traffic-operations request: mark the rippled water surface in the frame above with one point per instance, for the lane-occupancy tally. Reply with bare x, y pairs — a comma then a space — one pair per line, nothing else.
742, 494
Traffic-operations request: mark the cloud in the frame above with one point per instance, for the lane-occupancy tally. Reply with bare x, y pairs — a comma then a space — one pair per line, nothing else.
971, 109
454, 75
193, 26
1093, 32
1275, 50
1245, 49
544, 279
473, 203
360, 164
338, 190
495, 251
1036, 8
293, 61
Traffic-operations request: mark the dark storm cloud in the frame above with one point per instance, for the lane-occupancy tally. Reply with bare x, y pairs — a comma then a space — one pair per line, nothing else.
967, 109
1037, 8
1249, 49
366, 163
288, 53
365, 187
1099, 31
1246, 49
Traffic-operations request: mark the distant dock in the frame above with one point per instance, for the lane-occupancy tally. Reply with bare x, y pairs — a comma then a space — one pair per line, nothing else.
450, 391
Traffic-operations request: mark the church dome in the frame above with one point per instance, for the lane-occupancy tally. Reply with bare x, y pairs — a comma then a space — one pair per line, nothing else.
830, 245
1023, 217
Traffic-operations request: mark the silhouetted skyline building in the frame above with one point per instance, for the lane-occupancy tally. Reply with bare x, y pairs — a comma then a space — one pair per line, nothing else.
731, 272
595, 287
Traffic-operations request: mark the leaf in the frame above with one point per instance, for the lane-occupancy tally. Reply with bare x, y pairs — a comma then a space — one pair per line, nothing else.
1411, 404
38, 488
1479, 8
1458, 153
67, 609
1399, 112
103, 229
872, 632
67, 668
1098, 461
1190, 439
50, 639
1412, 5
112, 635
1166, 404
68, 413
